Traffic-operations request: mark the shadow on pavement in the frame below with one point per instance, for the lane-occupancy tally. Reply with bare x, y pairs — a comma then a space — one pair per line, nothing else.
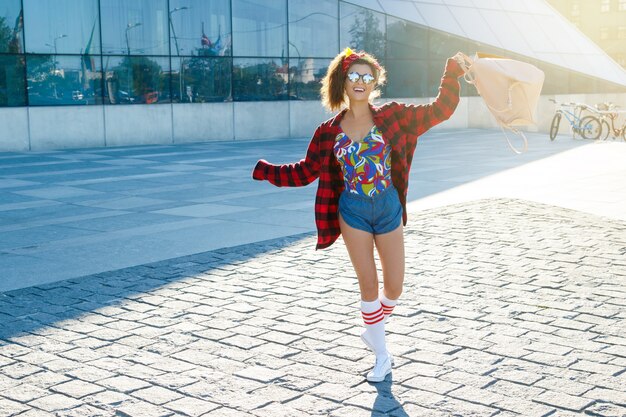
385, 402
33, 309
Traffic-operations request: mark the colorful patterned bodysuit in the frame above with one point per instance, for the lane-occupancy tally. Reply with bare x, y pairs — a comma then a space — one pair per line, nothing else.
366, 165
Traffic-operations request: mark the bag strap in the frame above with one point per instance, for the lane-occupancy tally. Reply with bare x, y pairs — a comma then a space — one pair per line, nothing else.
517, 132
466, 65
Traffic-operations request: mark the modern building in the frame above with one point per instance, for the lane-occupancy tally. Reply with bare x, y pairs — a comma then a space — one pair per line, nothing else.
603, 21
92, 73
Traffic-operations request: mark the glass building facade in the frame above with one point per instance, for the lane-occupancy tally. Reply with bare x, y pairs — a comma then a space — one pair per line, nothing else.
124, 52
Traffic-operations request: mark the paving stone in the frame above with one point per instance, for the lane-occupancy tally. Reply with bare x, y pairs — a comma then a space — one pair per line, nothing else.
123, 384
142, 409
561, 400
77, 389
260, 374
191, 406
55, 402
23, 393
431, 384
608, 395
606, 410
597, 367
10, 407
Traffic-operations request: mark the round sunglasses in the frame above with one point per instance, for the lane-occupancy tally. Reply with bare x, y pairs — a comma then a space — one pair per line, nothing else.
366, 78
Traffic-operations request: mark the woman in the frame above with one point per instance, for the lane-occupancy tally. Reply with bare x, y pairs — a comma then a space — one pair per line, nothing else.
362, 158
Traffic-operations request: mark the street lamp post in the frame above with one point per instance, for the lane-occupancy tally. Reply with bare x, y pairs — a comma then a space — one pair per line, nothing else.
54, 46
180, 60
129, 27
54, 41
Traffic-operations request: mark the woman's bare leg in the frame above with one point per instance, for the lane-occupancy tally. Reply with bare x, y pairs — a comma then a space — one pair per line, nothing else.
360, 245
390, 247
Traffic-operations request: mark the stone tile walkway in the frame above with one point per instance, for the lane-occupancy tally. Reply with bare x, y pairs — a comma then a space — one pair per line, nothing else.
510, 308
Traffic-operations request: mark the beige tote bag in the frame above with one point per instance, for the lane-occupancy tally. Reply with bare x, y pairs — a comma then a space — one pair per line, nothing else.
509, 88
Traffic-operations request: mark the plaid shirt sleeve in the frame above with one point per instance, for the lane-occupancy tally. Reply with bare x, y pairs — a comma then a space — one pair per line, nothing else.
419, 118
292, 175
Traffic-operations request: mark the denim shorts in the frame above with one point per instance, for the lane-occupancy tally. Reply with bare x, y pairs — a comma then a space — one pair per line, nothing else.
379, 214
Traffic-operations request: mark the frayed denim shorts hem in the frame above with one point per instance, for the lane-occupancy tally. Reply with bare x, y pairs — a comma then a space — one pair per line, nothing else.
377, 215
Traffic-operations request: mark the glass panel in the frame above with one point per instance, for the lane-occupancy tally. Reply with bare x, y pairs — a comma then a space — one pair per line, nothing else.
440, 17
580, 84
443, 45
406, 40
502, 25
305, 76
556, 80
134, 27
435, 72
12, 82
474, 25
62, 26
406, 9
11, 27
203, 79
200, 27
57, 80
362, 29
132, 80
313, 28
260, 79
407, 78
260, 27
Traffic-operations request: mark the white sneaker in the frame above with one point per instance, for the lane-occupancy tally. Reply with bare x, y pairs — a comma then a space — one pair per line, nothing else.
370, 345
381, 369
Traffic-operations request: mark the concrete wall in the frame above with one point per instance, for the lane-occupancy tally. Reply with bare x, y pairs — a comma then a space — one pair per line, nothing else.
14, 134
39, 128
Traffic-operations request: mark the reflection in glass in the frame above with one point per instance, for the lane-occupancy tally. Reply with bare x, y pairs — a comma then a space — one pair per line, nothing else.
406, 40
201, 80
313, 28
62, 26
11, 27
305, 78
443, 45
12, 82
362, 29
134, 27
136, 79
58, 80
407, 78
260, 79
260, 27
200, 28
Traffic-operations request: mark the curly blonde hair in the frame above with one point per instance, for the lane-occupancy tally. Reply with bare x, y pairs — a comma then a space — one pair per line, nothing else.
333, 92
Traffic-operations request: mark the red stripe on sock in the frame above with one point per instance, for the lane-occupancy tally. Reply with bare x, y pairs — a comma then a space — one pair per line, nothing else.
374, 321
387, 309
373, 313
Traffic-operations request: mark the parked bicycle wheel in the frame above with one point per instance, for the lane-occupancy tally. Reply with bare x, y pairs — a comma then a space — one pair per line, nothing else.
606, 130
554, 127
590, 127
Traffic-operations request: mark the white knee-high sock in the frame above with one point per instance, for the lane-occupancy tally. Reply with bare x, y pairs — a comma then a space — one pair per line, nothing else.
388, 305
374, 319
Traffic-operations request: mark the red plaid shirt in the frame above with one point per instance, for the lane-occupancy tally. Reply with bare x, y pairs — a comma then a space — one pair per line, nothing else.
400, 125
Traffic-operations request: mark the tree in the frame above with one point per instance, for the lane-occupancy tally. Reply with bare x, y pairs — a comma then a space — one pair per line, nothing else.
6, 35
139, 78
366, 34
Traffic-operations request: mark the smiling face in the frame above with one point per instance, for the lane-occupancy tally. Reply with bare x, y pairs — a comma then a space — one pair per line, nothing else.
358, 90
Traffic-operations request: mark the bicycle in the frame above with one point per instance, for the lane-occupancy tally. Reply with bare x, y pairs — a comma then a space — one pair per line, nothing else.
609, 111
589, 127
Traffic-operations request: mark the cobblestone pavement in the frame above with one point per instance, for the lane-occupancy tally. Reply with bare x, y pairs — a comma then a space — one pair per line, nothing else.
510, 308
